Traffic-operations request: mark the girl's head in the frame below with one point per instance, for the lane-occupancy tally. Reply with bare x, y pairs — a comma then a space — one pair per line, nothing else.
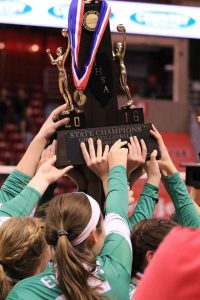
145, 238
23, 250
75, 230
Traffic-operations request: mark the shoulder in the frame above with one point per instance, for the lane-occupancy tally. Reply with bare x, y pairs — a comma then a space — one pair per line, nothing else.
36, 287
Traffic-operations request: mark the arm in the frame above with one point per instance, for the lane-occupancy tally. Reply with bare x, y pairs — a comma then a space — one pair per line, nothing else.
24, 203
26, 168
185, 209
13, 185
66, 52
52, 60
149, 196
117, 246
184, 206
29, 161
124, 43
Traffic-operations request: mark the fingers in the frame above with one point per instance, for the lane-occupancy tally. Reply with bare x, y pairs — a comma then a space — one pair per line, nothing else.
59, 110
53, 148
137, 145
154, 129
91, 149
118, 144
144, 149
85, 153
106, 151
61, 122
51, 161
153, 155
99, 150
157, 136
65, 170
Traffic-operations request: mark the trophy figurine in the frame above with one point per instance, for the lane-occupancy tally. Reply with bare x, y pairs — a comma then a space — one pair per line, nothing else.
62, 77
119, 54
129, 113
76, 116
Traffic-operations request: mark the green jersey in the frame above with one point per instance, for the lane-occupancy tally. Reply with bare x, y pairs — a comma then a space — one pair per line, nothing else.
16, 198
114, 261
184, 206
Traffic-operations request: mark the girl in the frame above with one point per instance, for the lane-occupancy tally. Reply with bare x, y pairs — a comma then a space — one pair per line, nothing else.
87, 264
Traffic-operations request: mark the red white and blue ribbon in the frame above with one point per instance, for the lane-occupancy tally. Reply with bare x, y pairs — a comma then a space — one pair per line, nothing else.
75, 23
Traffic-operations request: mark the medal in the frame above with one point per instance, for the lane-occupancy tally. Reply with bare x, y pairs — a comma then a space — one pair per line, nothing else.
79, 97
97, 22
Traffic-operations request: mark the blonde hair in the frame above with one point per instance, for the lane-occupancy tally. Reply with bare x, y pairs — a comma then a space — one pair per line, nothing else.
22, 244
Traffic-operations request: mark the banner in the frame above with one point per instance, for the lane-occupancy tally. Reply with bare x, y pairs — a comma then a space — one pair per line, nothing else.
138, 18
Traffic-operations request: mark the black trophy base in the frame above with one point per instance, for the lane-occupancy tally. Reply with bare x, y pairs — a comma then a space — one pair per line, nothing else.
128, 115
193, 175
68, 141
76, 119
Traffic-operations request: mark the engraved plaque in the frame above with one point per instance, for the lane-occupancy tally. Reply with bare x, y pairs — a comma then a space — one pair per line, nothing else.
69, 141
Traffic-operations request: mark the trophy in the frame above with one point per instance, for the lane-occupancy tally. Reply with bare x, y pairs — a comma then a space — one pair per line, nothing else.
92, 104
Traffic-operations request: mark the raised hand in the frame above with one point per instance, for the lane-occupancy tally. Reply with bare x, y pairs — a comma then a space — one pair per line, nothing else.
50, 125
47, 153
50, 172
153, 170
97, 161
136, 154
47, 174
165, 163
118, 155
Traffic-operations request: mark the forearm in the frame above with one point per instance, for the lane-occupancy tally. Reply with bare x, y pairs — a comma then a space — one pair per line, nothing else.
117, 196
39, 183
22, 205
13, 185
29, 161
145, 206
105, 184
185, 209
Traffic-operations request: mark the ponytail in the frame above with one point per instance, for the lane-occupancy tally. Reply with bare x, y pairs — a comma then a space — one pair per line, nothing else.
4, 284
74, 271
75, 264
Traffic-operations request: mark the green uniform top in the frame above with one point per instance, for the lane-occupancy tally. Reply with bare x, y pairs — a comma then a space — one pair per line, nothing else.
114, 260
17, 199
184, 206
145, 206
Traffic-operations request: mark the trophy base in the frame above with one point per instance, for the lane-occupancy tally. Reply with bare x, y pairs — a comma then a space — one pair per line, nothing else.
129, 115
68, 141
76, 119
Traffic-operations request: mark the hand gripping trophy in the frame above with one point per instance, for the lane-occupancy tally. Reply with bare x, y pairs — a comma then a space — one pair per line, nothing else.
118, 54
62, 77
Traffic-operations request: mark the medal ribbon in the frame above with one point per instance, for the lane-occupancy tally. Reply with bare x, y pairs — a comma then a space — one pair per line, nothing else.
75, 22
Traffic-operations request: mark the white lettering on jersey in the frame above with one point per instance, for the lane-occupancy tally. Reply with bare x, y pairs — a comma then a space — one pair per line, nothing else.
49, 281
1, 204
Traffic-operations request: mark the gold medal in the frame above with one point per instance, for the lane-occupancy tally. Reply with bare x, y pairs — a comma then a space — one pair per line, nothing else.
80, 98
90, 20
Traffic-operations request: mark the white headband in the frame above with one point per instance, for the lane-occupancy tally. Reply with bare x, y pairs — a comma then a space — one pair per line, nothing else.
92, 222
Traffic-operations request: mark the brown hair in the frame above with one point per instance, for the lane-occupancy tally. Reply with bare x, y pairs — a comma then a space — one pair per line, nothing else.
147, 235
22, 246
75, 265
